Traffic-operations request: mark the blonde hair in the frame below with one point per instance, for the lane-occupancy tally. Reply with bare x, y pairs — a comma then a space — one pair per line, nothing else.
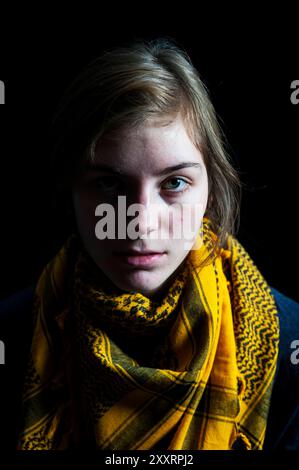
129, 85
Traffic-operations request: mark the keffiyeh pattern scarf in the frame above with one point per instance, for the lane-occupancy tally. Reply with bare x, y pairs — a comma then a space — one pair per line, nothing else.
121, 371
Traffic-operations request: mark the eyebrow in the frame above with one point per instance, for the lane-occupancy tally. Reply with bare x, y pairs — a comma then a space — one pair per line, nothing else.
165, 171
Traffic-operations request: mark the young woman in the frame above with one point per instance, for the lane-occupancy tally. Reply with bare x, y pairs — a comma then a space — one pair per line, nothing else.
152, 326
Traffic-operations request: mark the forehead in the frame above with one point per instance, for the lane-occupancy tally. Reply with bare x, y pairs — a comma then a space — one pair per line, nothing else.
148, 143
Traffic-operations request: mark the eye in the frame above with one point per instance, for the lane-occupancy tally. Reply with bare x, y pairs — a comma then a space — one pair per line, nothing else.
107, 183
176, 185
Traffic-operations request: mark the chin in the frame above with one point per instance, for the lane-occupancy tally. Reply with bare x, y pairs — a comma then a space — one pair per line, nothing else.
140, 282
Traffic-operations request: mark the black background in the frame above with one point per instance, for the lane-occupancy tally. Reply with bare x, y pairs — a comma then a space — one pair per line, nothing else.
246, 57
247, 61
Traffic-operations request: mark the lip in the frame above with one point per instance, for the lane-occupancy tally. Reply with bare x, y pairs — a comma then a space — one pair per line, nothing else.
140, 258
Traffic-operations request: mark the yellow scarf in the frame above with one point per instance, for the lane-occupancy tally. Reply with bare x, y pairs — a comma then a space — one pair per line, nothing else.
122, 371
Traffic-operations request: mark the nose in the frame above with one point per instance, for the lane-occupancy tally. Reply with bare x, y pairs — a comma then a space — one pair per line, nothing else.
147, 222
144, 208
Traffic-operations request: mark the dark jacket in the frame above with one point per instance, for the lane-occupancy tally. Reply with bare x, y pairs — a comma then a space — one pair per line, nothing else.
15, 333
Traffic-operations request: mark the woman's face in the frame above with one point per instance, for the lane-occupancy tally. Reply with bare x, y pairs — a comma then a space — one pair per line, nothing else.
158, 168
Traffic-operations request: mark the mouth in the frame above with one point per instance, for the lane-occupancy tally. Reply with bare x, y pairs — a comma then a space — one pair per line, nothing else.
140, 258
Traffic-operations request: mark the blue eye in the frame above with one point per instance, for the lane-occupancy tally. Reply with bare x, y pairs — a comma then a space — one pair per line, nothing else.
176, 185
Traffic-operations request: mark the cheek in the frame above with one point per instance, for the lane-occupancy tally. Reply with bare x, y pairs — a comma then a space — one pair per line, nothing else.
185, 221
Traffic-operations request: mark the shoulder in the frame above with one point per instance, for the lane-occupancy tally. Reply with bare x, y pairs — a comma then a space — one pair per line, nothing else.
283, 422
15, 333
17, 304
16, 322
288, 311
